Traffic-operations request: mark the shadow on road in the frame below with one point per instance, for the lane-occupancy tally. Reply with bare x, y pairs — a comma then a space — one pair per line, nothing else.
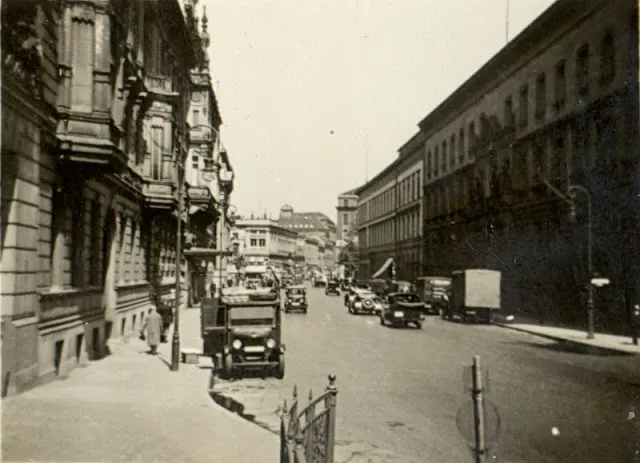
576, 348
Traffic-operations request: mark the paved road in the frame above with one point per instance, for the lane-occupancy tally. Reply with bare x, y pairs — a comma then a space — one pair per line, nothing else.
401, 389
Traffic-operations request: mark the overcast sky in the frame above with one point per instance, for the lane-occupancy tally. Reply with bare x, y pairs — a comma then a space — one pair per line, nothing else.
307, 88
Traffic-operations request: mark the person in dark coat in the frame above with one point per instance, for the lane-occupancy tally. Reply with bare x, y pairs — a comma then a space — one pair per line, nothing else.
154, 328
635, 323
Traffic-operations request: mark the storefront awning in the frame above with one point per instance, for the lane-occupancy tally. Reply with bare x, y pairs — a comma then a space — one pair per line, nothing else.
384, 268
194, 209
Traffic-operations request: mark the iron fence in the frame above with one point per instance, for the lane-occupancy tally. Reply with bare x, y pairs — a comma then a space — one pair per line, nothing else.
308, 436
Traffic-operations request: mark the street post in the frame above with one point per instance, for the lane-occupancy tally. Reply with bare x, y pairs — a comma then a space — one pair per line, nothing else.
175, 340
570, 199
478, 411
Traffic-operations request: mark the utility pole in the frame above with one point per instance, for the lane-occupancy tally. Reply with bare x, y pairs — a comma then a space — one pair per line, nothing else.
175, 341
506, 25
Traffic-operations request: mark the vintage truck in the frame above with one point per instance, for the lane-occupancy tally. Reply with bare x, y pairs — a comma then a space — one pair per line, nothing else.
475, 295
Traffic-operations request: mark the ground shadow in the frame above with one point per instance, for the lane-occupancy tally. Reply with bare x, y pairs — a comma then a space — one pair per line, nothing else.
163, 360
231, 404
576, 348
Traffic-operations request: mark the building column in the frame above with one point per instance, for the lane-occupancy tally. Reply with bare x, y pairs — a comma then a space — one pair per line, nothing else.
109, 291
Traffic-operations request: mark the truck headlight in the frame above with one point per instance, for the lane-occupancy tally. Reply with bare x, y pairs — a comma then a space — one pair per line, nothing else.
398, 314
271, 343
237, 344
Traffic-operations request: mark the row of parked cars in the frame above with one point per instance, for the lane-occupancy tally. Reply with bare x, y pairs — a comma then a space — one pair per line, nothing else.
395, 308
468, 295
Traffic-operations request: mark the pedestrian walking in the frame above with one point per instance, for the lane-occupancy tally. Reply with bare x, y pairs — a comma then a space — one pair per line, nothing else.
154, 329
635, 323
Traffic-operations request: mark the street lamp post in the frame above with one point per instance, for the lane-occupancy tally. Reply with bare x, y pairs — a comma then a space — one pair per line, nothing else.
573, 190
175, 340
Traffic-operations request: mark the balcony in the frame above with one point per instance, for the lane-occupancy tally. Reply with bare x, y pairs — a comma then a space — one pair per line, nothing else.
160, 194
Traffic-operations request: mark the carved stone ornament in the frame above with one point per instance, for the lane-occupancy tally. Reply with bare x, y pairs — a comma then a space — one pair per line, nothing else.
131, 179
21, 47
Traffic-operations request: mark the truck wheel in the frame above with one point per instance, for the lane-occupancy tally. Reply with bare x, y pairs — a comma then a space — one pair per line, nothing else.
226, 366
280, 367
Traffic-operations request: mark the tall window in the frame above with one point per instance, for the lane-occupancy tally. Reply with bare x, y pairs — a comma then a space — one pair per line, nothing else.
608, 65
541, 95
582, 70
472, 138
429, 167
77, 239
82, 62
345, 218
436, 160
94, 258
444, 156
461, 147
452, 151
560, 85
196, 117
524, 106
509, 117
157, 148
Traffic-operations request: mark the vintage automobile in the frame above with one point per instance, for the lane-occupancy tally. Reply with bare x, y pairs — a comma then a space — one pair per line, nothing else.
242, 331
366, 302
319, 281
296, 299
436, 292
401, 309
333, 287
350, 295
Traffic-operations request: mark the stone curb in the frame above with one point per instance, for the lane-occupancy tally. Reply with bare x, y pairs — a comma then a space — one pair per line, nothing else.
609, 350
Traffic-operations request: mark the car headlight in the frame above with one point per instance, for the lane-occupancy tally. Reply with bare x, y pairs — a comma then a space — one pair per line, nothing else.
237, 344
271, 343
358, 304
398, 313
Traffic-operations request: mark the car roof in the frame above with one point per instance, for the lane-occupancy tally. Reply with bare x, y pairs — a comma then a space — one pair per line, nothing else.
402, 292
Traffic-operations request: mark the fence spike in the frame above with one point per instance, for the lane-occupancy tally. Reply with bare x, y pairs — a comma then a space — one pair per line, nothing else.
284, 407
295, 392
332, 381
310, 395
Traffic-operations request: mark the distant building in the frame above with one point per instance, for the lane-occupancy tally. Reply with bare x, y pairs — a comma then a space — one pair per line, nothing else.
307, 223
263, 241
347, 214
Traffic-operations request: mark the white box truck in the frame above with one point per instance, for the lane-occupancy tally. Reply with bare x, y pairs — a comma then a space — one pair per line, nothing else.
475, 295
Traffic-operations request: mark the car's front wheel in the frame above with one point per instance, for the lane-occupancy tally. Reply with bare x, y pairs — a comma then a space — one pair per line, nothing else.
419, 325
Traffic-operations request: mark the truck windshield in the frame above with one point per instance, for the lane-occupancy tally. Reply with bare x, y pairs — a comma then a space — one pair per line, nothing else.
239, 316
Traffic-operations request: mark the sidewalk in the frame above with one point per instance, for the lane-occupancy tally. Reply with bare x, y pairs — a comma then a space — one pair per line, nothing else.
130, 407
604, 342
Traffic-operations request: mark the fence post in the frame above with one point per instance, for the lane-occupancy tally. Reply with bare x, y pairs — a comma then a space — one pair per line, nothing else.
284, 427
300, 456
309, 415
330, 404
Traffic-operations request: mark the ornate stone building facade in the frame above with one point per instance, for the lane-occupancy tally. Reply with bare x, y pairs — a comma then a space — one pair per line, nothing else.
93, 146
